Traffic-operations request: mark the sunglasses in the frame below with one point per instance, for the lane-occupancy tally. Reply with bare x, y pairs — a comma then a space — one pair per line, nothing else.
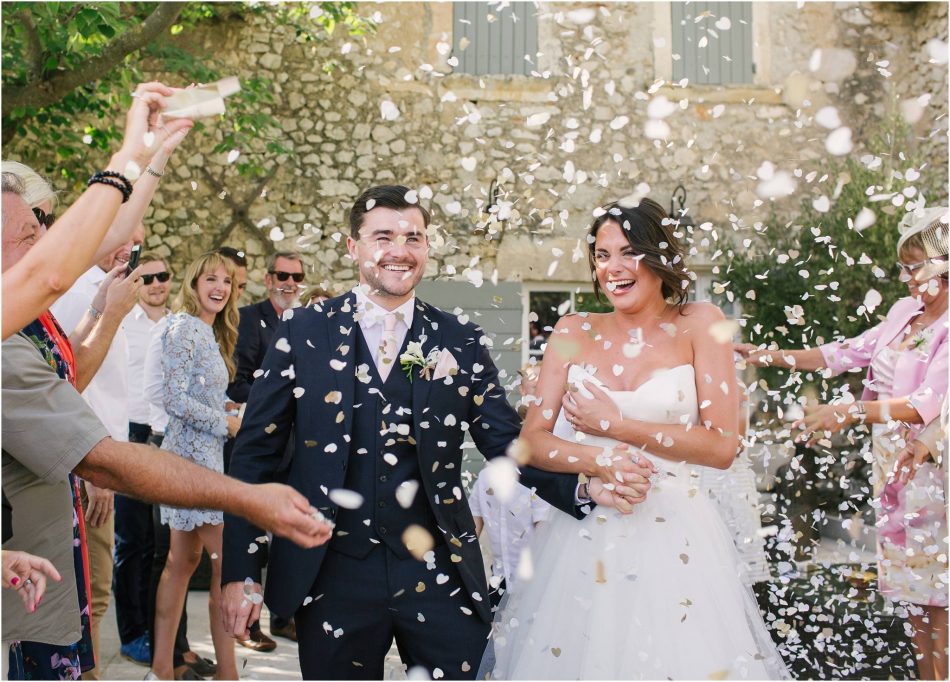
284, 276
45, 219
160, 276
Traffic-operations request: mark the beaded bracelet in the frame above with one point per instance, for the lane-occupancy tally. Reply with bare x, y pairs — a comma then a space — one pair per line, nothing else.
120, 182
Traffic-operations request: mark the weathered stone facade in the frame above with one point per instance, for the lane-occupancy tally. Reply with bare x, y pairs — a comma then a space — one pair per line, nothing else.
557, 144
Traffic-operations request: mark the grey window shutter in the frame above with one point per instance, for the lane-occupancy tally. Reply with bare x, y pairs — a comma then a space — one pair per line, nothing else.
496, 40
727, 55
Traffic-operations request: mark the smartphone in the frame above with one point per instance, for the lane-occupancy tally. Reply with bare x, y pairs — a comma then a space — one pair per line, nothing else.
133, 259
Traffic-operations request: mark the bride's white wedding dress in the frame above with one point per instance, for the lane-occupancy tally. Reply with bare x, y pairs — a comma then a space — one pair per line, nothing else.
651, 595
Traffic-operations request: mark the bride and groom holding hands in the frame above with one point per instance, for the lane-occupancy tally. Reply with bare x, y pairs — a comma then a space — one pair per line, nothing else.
638, 578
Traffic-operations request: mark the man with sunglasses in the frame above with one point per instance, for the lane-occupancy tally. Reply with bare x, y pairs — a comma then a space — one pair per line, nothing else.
134, 537
284, 282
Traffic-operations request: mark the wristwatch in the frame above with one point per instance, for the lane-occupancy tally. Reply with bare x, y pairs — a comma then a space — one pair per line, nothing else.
860, 410
583, 492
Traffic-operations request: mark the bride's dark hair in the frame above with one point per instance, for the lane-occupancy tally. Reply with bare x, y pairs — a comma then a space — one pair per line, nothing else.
650, 232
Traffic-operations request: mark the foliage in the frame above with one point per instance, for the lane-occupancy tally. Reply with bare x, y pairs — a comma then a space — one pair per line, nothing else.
69, 69
822, 262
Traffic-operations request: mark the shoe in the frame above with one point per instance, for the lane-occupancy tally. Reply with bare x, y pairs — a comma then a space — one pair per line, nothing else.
186, 672
150, 676
258, 641
203, 666
137, 651
288, 631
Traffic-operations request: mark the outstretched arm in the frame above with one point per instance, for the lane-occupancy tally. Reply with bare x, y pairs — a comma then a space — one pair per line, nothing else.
51, 267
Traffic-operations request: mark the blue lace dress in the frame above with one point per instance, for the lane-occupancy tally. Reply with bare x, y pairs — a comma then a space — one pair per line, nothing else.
196, 379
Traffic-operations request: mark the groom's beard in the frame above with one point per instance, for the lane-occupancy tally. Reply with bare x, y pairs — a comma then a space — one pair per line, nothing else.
392, 284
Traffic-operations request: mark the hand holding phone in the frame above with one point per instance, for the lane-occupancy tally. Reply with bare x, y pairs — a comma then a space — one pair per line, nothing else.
133, 259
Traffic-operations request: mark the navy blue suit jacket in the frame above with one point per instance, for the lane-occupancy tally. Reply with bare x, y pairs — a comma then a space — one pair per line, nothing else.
258, 323
307, 388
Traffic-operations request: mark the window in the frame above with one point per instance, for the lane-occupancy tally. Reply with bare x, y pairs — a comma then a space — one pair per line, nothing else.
712, 42
545, 304
495, 38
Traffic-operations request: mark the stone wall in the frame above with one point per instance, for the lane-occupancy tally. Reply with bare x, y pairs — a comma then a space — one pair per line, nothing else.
557, 144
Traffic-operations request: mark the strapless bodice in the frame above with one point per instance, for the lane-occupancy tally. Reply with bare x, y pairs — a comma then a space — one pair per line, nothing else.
667, 397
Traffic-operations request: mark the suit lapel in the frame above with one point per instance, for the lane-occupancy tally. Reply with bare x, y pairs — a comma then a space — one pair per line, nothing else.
269, 315
341, 330
422, 330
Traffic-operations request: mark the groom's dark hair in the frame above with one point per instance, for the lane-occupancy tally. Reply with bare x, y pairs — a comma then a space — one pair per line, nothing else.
652, 234
388, 196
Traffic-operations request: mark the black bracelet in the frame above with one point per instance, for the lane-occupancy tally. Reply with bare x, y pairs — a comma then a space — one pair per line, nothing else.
117, 176
121, 182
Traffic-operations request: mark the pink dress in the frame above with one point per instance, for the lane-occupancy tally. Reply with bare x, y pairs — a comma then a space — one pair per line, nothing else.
912, 518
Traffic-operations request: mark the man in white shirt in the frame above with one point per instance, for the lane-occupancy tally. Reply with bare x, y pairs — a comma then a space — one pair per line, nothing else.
134, 537
510, 525
91, 312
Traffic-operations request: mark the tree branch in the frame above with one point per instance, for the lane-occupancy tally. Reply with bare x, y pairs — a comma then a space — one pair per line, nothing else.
35, 60
61, 83
240, 211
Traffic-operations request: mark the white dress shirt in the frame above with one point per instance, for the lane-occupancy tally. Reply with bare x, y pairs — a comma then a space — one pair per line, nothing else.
153, 383
138, 330
107, 393
370, 317
509, 524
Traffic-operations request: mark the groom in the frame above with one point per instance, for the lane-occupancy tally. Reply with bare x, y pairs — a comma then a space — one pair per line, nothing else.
378, 451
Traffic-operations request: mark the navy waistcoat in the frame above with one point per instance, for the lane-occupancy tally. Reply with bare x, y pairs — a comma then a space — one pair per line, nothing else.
382, 462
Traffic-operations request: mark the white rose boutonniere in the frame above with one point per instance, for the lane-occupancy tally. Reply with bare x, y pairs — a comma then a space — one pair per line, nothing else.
414, 357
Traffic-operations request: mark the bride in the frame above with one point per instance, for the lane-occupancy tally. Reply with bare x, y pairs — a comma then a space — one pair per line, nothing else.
651, 590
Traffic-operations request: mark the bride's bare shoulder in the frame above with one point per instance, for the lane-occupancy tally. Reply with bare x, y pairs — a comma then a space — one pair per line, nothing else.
578, 323
700, 314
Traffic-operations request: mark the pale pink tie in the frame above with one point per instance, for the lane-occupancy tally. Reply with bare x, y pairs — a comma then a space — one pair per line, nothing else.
387, 347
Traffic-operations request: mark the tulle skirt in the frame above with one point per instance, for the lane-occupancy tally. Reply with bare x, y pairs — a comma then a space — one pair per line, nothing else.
652, 595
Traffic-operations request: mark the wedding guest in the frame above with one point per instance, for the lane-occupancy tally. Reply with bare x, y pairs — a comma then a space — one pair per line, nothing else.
239, 258
186, 662
101, 355
56, 509
510, 523
197, 363
315, 294
285, 274
103, 217
906, 357
134, 536
183, 657
49, 430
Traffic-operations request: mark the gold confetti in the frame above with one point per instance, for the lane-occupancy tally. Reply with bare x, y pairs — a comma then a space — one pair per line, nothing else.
417, 540
601, 572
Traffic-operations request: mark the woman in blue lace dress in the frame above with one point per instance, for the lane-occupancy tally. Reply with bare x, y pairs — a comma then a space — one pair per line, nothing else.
198, 347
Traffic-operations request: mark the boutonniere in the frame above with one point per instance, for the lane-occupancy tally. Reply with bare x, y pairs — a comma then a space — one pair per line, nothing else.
414, 357
921, 338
